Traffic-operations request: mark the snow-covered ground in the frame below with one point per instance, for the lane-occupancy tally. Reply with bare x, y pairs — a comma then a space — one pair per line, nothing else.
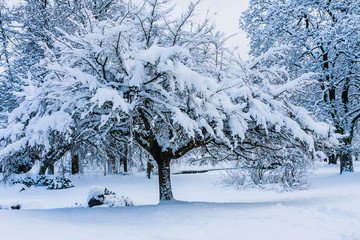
330, 209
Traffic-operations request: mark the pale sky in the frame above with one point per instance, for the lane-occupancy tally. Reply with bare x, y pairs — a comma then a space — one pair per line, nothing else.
227, 19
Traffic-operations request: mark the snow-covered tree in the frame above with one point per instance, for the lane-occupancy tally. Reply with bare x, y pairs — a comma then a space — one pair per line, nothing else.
22, 30
33, 24
322, 37
144, 77
6, 72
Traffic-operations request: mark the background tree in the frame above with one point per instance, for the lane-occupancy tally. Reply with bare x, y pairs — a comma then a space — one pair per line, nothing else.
7, 76
323, 37
33, 29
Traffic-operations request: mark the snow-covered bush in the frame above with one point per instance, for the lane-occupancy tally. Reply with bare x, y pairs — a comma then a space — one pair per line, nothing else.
116, 201
60, 183
41, 181
23, 179
281, 178
234, 178
289, 178
103, 196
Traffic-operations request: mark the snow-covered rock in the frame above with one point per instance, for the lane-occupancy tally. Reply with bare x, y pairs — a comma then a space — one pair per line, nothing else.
96, 196
103, 196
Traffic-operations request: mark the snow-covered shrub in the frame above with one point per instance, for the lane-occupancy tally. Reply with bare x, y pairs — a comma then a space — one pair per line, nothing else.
289, 177
25, 180
116, 201
60, 183
257, 175
103, 196
43, 181
281, 178
234, 178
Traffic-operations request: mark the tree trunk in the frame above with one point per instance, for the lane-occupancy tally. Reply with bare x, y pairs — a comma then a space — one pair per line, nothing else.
125, 162
346, 163
113, 165
333, 159
46, 163
75, 164
149, 168
43, 168
51, 169
164, 179
50, 158
128, 160
110, 163
124, 158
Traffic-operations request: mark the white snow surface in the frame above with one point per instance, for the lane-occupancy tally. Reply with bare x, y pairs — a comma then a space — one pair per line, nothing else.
329, 210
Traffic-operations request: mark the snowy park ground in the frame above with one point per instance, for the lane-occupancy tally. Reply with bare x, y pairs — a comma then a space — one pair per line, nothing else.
329, 209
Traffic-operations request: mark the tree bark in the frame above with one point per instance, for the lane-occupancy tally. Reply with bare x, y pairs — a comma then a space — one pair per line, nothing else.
51, 157
43, 168
111, 161
51, 169
46, 165
113, 165
346, 163
75, 164
165, 190
333, 159
46, 162
149, 168
125, 162
124, 158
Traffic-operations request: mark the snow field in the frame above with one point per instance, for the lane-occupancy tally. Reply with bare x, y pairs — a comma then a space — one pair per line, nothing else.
328, 210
